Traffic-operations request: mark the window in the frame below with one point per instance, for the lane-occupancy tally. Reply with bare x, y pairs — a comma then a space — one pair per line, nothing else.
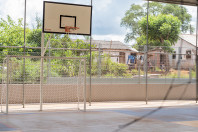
188, 54
174, 55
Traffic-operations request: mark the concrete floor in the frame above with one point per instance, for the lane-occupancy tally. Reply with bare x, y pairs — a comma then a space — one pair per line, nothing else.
108, 117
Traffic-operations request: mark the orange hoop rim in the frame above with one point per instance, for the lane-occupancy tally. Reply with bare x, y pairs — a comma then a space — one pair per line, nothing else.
69, 28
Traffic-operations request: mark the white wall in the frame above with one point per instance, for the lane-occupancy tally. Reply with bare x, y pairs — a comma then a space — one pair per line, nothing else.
116, 59
185, 63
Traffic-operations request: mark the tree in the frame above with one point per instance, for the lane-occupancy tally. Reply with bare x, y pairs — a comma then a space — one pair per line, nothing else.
130, 21
38, 22
34, 38
163, 30
136, 12
11, 34
182, 14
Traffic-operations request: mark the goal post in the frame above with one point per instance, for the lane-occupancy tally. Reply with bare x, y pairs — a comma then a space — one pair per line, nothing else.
63, 85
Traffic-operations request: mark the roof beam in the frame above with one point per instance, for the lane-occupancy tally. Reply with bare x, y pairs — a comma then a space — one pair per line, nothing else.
180, 2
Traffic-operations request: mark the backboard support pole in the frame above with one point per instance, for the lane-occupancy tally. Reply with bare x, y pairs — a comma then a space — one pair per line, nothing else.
41, 70
67, 23
43, 50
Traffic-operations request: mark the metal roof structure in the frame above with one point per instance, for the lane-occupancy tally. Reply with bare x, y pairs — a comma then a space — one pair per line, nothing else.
181, 2
112, 45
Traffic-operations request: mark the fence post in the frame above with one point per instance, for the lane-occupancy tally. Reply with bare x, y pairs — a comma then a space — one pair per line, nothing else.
41, 72
179, 60
99, 61
90, 67
190, 73
196, 58
7, 93
85, 85
49, 61
146, 71
24, 54
41, 85
139, 64
147, 33
23, 82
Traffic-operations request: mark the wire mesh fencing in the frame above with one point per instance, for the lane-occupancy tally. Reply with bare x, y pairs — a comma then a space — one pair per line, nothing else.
118, 71
123, 73
62, 85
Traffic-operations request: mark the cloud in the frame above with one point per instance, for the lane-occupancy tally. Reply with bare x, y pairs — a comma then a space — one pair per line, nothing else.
101, 5
193, 11
109, 37
14, 8
107, 17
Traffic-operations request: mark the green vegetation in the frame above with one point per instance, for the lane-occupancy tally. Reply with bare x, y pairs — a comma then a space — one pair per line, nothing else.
109, 68
137, 12
163, 31
11, 34
165, 23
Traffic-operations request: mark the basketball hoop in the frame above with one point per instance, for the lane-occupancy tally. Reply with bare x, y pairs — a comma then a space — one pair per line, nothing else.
69, 28
67, 18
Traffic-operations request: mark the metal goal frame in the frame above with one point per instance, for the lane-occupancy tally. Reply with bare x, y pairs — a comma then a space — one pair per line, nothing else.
81, 59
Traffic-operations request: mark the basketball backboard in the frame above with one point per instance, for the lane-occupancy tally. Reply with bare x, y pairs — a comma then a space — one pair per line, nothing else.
56, 16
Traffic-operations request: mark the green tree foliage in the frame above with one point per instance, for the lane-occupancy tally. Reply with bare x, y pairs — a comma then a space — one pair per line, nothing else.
11, 33
136, 12
109, 68
34, 38
182, 14
130, 21
163, 30
38, 22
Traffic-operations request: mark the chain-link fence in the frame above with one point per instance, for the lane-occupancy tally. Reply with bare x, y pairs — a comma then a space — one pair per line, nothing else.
124, 75
60, 85
120, 74
118, 71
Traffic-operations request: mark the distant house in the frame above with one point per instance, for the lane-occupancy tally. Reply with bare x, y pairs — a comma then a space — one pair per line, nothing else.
117, 50
186, 46
157, 58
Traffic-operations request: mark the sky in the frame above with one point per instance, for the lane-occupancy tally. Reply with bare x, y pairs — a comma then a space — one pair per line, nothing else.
107, 15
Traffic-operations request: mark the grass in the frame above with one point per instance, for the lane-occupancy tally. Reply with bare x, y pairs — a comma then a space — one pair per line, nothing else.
183, 74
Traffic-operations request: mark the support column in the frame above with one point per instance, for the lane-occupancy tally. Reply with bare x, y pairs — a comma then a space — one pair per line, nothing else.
90, 67
7, 90
41, 71
24, 55
85, 85
196, 59
146, 60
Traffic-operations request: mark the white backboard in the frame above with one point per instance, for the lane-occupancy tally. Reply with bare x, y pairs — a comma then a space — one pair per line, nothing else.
58, 15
